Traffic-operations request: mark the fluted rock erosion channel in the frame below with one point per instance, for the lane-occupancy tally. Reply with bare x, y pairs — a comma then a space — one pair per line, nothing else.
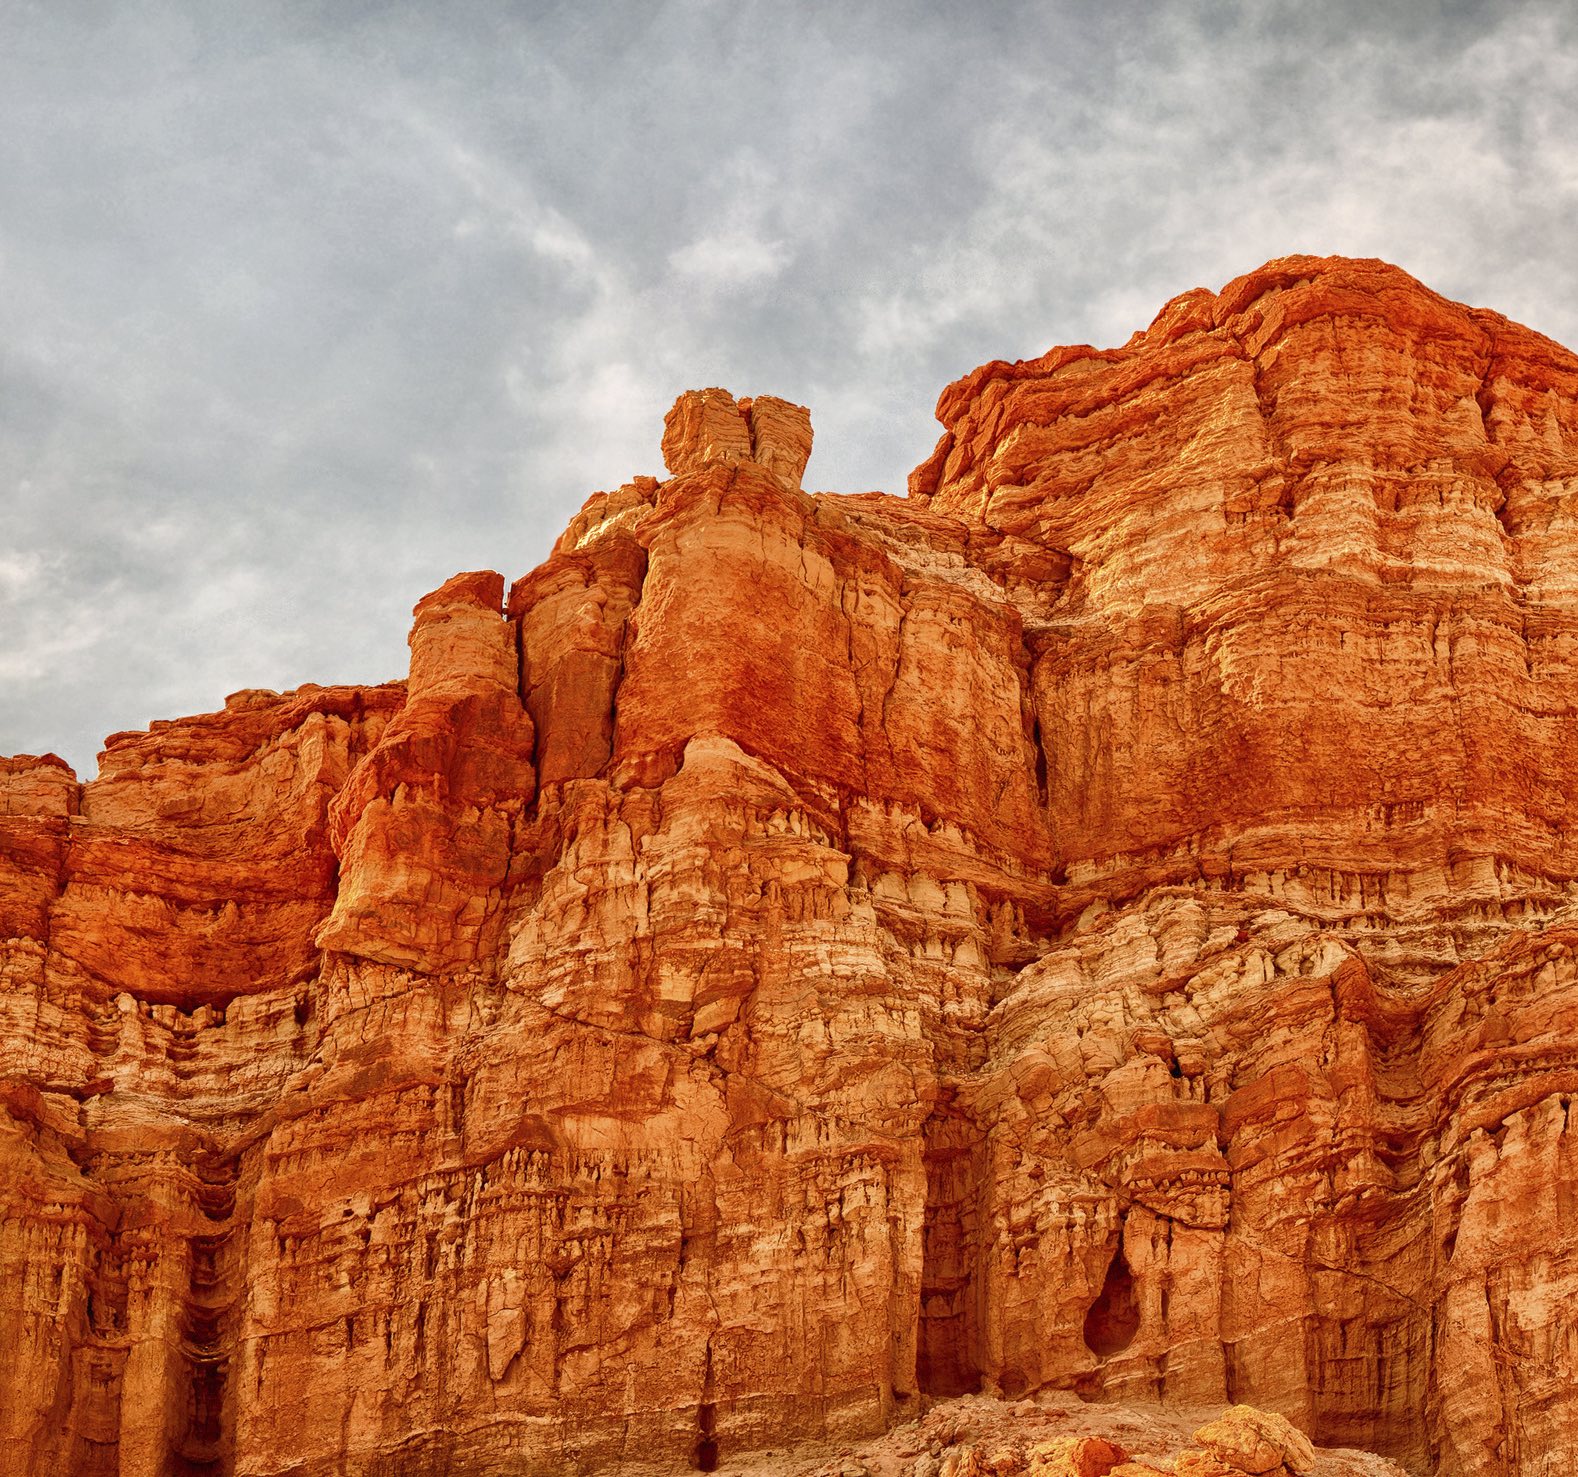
1104, 922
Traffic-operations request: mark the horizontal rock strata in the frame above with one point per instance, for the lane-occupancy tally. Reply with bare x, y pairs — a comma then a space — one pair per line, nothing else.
1106, 922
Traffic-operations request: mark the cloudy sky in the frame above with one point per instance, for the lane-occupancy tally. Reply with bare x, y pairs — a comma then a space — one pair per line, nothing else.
306, 306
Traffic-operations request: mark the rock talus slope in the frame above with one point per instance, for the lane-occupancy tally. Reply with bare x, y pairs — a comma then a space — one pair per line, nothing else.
1106, 922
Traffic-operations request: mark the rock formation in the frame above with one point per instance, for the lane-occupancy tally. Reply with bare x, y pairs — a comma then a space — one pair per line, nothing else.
1057, 1436
1106, 922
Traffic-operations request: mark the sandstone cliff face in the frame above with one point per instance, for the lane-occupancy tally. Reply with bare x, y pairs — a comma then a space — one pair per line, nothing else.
1106, 922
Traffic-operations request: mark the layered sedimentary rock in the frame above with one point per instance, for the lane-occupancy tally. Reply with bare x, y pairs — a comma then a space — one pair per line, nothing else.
1105, 922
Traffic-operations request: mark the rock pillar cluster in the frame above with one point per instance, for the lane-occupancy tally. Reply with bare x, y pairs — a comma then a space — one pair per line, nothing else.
1106, 922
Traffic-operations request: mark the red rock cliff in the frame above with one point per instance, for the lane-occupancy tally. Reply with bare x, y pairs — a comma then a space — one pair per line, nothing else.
1104, 922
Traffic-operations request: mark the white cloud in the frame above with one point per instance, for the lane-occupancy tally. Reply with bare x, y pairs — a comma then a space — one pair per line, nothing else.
727, 260
19, 573
45, 632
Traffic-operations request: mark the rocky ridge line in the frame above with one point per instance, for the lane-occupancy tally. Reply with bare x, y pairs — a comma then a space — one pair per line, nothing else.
1103, 923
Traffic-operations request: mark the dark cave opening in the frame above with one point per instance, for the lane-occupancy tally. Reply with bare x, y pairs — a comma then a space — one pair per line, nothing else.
705, 1458
1114, 1318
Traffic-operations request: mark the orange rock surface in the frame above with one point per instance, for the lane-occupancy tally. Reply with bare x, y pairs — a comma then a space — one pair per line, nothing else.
1104, 923
1057, 1435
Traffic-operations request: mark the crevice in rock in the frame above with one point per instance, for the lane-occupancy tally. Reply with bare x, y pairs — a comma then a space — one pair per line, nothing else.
1114, 1318
523, 686
948, 1361
1040, 760
202, 1448
705, 1458
622, 643
704, 1455
1484, 394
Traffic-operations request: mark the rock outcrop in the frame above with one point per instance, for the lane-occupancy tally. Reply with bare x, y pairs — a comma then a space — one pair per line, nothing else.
1059, 1436
1106, 922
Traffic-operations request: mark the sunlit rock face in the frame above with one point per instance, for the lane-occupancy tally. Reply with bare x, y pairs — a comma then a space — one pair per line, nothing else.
1104, 922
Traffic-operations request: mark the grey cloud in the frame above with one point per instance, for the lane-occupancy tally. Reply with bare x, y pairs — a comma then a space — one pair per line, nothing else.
304, 307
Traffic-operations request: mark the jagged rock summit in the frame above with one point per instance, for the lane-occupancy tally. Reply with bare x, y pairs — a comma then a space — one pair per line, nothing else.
1102, 923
